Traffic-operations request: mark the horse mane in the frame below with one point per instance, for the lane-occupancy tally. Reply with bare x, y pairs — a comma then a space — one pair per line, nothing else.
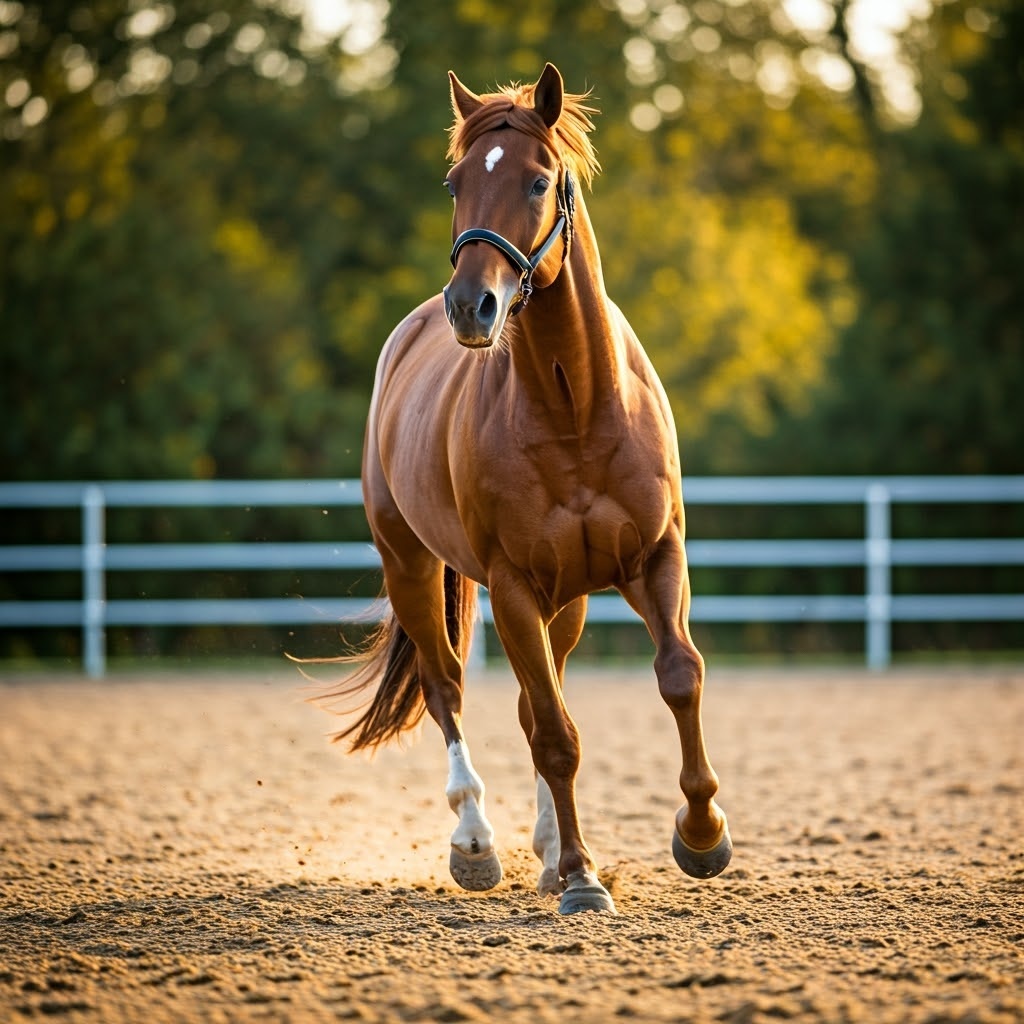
512, 107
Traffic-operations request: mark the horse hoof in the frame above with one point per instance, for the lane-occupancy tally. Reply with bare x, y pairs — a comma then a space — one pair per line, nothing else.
584, 892
549, 884
703, 863
476, 873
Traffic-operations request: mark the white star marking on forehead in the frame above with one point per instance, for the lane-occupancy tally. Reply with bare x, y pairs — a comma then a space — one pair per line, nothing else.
493, 157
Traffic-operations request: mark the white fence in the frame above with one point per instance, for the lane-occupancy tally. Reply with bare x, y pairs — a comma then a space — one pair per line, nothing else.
876, 552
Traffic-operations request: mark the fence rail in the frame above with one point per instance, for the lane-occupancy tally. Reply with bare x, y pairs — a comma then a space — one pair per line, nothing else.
877, 553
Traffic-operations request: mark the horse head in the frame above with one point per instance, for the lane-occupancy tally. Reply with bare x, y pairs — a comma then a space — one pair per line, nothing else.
513, 197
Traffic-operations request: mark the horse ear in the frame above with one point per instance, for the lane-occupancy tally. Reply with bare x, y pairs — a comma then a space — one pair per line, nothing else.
547, 95
464, 102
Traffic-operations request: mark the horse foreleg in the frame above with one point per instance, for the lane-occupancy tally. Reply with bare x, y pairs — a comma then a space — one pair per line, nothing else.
546, 842
415, 585
564, 634
700, 843
473, 862
554, 738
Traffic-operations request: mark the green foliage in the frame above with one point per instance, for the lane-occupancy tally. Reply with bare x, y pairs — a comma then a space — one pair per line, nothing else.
171, 233
927, 377
210, 219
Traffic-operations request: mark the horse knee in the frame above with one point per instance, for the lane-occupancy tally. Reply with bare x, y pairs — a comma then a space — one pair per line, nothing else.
443, 698
680, 677
556, 753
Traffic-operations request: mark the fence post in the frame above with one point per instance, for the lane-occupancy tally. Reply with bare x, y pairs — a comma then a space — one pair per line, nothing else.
878, 625
93, 582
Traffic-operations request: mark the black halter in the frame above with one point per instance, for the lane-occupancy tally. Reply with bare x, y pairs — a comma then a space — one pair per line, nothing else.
526, 265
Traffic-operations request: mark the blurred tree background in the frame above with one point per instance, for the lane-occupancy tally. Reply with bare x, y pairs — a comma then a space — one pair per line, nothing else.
212, 214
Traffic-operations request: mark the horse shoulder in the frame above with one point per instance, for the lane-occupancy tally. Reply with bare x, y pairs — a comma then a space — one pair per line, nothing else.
409, 336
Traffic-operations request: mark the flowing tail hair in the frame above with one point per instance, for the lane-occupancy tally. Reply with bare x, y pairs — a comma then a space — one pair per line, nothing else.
389, 660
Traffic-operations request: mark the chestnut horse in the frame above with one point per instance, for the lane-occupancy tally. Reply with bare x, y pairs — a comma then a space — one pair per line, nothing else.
519, 438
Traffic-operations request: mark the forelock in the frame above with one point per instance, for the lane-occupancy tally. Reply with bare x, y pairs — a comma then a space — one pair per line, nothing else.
512, 107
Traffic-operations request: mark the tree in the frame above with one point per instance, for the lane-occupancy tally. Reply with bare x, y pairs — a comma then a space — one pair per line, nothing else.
173, 212
926, 378
209, 222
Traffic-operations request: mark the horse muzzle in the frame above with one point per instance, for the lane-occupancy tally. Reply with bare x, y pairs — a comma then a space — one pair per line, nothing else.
477, 317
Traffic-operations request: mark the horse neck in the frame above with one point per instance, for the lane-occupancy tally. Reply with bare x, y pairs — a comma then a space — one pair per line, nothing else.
569, 351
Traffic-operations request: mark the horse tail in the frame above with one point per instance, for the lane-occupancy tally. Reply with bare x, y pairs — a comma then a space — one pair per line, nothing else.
460, 606
389, 659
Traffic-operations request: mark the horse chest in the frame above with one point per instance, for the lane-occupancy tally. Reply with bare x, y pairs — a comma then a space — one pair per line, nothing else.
585, 543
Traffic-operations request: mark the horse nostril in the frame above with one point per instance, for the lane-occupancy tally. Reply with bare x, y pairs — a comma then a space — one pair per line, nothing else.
487, 307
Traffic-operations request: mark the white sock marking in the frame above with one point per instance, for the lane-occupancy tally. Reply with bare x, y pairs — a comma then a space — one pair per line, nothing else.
465, 792
493, 157
546, 843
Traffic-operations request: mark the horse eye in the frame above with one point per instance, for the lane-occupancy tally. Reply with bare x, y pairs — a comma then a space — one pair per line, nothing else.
540, 186
451, 188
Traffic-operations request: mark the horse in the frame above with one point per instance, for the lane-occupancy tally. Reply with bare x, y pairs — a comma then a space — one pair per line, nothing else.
519, 438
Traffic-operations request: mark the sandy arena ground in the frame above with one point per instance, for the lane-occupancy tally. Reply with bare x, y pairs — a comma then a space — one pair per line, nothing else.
186, 848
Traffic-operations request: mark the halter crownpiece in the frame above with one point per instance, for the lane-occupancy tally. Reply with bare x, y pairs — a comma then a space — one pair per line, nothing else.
566, 200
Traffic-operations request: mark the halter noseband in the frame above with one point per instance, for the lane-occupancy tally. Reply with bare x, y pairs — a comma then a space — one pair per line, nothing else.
526, 265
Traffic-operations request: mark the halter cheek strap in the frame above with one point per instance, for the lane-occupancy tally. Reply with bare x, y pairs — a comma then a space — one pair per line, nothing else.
526, 265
